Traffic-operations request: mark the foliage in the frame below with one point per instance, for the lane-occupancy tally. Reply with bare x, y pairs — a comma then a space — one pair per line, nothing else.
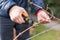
54, 6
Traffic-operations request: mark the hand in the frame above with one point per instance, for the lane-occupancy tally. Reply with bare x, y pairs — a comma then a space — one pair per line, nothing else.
43, 17
15, 14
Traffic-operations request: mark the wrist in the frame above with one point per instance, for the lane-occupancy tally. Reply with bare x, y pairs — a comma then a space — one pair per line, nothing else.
38, 12
13, 8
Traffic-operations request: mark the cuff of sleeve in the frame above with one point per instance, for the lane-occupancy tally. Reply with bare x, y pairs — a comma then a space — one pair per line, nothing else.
11, 7
8, 5
38, 12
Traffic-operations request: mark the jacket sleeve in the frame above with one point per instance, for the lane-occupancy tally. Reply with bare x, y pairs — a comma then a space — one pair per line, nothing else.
38, 2
6, 5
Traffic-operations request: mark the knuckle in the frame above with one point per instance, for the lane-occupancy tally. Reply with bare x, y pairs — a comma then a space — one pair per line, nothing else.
20, 22
22, 8
13, 19
17, 16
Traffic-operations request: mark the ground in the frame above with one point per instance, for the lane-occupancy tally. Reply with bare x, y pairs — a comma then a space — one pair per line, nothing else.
51, 35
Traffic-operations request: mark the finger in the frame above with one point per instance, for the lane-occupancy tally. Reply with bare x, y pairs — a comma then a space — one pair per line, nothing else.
19, 21
44, 15
16, 20
21, 18
48, 20
25, 13
41, 20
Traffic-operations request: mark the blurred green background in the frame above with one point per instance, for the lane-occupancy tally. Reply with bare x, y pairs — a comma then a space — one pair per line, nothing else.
51, 35
54, 7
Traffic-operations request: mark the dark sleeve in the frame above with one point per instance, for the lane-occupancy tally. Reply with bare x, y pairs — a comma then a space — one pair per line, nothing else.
6, 5
38, 2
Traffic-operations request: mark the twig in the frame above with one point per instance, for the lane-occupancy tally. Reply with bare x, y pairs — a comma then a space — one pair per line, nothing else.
25, 30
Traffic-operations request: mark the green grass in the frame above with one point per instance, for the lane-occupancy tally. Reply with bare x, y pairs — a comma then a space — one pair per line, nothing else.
51, 35
38, 29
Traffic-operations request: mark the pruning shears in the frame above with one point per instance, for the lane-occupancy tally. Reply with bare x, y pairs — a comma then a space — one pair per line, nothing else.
27, 19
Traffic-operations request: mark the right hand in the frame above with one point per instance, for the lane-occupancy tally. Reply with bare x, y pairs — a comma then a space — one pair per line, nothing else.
15, 14
43, 17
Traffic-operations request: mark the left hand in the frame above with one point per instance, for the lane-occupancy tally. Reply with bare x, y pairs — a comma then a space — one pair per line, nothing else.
16, 13
42, 17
